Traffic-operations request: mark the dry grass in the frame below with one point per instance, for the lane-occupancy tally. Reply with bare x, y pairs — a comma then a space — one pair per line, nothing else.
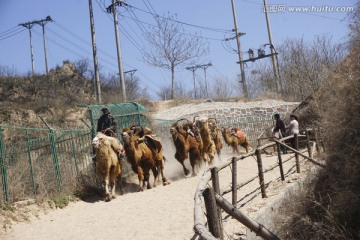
330, 206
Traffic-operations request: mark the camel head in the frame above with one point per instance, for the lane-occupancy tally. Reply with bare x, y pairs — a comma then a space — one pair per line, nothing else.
99, 139
137, 130
212, 123
174, 132
126, 135
202, 123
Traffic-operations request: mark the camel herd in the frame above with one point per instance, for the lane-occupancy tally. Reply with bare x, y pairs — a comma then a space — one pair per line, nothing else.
199, 141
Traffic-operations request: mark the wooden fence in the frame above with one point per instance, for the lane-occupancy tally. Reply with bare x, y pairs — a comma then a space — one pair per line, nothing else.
215, 203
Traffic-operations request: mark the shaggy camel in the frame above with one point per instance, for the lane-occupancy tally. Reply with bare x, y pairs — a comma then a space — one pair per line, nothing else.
215, 135
234, 141
143, 159
187, 146
209, 148
108, 165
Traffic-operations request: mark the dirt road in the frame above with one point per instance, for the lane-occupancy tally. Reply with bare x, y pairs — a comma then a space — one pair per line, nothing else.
164, 212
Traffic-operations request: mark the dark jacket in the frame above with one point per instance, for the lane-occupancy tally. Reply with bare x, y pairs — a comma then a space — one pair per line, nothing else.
106, 121
279, 126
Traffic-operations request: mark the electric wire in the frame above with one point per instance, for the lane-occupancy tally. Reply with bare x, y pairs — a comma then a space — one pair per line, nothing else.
16, 33
10, 31
183, 23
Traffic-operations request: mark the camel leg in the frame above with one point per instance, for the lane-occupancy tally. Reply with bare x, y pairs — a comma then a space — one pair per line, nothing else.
161, 168
156, 174
141, 178
193, 161
186, 171
164, 180
146, 180
112, 188
107, 192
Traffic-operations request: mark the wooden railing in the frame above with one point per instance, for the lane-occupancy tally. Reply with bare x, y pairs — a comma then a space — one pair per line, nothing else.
211, 196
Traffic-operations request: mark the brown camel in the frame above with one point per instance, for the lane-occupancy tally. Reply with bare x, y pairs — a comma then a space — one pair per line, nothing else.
108, 166
187, 146
147, 137
143, 159
209, 148
234, 141
215, 135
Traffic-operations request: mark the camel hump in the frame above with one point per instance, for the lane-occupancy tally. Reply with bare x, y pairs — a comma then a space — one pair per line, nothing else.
153, 142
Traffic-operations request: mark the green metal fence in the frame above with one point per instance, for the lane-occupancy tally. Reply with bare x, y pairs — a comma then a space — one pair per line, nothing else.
37, 161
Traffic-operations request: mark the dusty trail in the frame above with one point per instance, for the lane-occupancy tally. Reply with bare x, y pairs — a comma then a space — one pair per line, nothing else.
164, 212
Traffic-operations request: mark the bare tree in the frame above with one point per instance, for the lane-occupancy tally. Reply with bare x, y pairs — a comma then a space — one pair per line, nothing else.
305, 66
8, 71
171, 46
222, 89
180, 91
82, 66
354, 25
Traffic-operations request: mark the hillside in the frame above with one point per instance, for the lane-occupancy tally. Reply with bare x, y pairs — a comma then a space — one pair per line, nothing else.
54, 98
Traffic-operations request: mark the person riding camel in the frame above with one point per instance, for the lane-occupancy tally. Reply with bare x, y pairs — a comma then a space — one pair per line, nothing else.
107, 125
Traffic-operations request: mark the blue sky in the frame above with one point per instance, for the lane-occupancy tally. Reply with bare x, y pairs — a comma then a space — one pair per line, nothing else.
68, 37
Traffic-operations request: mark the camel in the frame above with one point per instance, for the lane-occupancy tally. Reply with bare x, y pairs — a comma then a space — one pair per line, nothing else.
187, 146
152, 142
215, 135
209, 148
143, 159
108, 165
234, 141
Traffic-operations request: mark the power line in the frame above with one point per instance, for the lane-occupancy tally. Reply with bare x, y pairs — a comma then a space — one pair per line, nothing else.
19, 31
9, 30
184, 23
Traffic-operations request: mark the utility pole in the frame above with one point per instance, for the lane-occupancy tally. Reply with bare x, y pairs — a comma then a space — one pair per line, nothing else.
112, 9
205, 66
131, 72
273, 55
193, 69
95, 59
42, 23
242, 72
29, 25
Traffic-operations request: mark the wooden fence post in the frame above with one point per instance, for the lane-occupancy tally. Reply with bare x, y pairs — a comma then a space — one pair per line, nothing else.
261, 173
213, 218
216, 185
316, 140
234, 181
296, 140
280, 162
259, 229
308, 142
